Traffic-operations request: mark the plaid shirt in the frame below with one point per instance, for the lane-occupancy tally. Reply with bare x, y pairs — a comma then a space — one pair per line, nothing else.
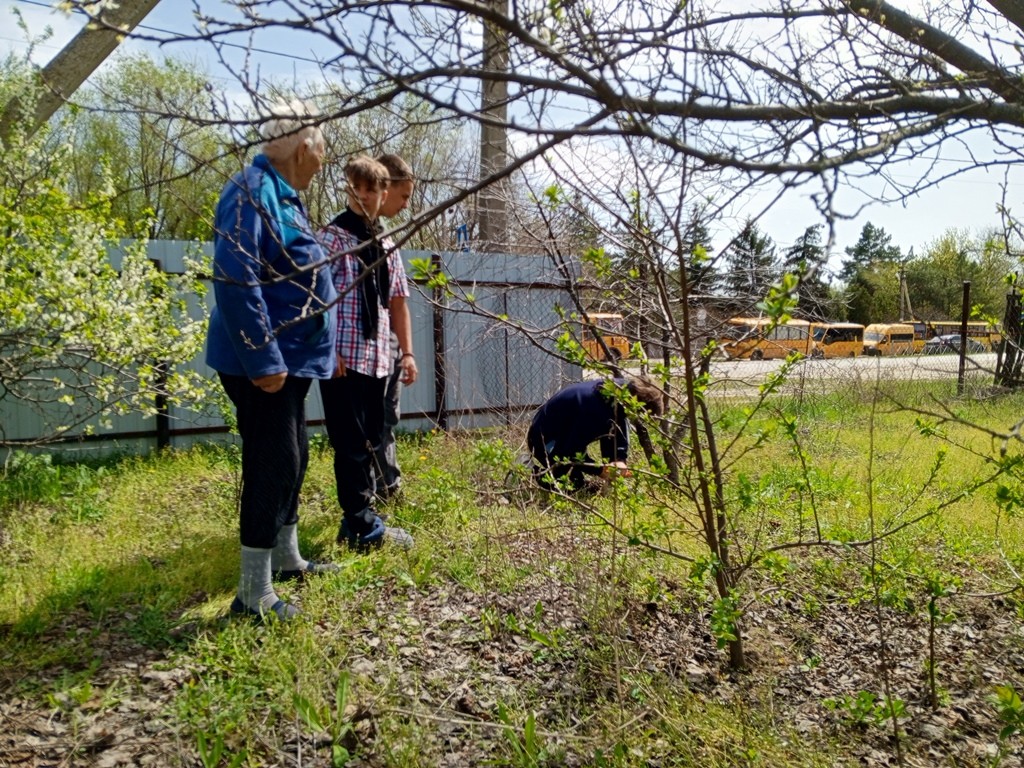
371, 357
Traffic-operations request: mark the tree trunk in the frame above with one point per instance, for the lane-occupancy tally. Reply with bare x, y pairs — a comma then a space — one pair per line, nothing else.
76, 62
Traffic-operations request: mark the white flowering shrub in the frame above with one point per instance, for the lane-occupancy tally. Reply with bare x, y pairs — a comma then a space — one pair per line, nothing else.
81, 340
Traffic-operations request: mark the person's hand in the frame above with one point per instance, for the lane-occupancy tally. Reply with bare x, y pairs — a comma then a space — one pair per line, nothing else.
409, 369
615, 469
272, 383
340, 370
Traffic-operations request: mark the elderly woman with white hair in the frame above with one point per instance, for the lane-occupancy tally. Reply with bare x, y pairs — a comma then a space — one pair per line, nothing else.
269, 337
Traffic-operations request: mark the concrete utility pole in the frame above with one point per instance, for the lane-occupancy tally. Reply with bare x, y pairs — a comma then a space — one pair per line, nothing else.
492, 203
76, 61
906, 310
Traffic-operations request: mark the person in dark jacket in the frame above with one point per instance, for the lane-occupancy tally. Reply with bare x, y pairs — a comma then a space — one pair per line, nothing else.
578, 415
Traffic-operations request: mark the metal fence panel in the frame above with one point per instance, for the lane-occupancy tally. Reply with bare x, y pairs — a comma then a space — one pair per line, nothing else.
490, 375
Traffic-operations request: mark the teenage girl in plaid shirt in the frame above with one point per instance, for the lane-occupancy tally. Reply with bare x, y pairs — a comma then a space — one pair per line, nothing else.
371, 283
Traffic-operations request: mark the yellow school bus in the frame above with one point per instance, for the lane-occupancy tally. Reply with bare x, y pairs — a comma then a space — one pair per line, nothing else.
837, 339
889, 339
610, 327
979, 330
753, 338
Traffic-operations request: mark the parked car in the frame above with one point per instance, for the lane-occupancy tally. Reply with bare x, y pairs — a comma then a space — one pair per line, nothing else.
950, 344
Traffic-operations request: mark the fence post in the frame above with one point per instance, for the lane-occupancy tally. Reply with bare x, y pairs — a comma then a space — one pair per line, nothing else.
163, 416
508, 378
965, 312
440, 372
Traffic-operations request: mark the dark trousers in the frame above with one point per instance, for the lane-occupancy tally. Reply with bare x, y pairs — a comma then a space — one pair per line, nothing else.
275, 454
549, 466
354, 417
386, 457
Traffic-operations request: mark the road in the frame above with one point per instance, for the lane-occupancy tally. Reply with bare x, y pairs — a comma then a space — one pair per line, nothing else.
736, 377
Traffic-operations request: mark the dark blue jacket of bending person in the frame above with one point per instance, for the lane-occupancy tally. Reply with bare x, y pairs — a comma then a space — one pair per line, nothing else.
574, 418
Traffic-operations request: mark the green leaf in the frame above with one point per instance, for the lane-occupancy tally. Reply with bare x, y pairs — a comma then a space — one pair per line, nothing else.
308, 712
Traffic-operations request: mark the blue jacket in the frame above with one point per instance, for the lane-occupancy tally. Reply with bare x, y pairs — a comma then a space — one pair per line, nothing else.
577, 416
271, 296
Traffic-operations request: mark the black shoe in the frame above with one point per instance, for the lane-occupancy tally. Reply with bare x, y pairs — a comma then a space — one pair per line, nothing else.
280, 610
313, 568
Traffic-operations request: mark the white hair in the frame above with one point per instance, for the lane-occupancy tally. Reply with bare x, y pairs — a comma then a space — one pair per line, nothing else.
289, 125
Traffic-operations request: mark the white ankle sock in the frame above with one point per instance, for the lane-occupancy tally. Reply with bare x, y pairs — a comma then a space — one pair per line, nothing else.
254, 587
285, 556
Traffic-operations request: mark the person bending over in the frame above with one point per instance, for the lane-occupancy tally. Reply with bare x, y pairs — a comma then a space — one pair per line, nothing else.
578, 415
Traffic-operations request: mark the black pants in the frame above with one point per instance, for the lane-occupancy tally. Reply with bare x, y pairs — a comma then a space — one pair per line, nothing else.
548, 466
354, 417
386, 469
275, 454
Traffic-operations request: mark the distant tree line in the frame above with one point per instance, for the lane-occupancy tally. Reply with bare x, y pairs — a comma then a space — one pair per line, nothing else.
865, 286
159, 137
632, 259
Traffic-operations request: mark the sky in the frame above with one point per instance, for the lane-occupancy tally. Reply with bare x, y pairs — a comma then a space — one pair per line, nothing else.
968, 202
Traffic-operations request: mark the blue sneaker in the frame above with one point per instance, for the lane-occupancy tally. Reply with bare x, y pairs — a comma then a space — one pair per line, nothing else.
377, 536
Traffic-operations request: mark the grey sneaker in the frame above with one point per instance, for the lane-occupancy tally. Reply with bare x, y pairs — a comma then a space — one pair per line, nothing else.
399, 537
313, 568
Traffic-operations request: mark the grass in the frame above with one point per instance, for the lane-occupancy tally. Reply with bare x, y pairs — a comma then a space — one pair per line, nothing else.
524, 635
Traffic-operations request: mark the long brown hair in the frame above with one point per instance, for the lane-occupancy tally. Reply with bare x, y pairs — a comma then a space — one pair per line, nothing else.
648, 393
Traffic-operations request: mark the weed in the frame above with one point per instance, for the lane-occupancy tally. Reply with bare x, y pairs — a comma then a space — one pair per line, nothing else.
777, 566
526, 749
37, 478
211, 749
334, 722
811, 662
618, 756
810, 606
637, 687
725, 613
29, 477
70, 697
654, 590
1010, 710
866, 708
494, 454
490, 622
320, 445
151, 627
700, 572
440, 499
